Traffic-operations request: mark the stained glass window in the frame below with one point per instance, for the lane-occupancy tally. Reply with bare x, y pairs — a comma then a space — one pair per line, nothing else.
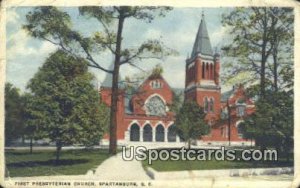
155, 106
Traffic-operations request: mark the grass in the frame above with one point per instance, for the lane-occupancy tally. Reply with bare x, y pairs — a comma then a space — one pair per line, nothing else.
21, 163
214, 164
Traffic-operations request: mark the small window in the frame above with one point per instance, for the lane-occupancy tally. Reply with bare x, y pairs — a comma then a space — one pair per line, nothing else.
222, 131
240, 110
211, 105
156, 84
240, 130
205, 104
203, 70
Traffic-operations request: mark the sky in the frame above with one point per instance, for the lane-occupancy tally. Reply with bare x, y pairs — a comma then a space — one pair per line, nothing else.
177, 30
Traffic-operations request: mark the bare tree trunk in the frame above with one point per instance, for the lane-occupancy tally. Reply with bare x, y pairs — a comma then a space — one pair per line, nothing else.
275, 67
115, 91
263, 56
30, 145
58, 149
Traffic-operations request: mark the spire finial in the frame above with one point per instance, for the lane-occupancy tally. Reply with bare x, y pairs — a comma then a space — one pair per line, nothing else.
202, 14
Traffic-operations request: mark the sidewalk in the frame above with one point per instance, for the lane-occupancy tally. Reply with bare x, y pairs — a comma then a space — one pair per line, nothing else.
115, 168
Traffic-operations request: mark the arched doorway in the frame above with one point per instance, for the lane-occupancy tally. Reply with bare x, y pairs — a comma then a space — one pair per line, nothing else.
160, 133
135, 132
147, 133
240, 129
172, 134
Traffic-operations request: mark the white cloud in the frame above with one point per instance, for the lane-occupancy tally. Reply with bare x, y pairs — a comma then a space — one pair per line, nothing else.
19, 46
220, 36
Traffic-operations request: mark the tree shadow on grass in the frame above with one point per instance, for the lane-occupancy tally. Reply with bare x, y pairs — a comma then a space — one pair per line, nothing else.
23, 153
62, 162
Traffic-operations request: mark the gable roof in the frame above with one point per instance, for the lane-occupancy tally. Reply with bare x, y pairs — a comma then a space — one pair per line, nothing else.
226, 95
202, 43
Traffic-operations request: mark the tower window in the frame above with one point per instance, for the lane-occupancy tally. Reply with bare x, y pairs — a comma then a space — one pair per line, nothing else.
211, 71
203, 70
205, 104
207, 71
211, 105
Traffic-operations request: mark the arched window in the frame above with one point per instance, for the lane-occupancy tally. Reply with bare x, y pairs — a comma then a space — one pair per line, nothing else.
156, 84
160, 133
147, 133
211, 71
155, 106
240, 129
203, 70
172, 133
205, 104
222, 131
211, 105
207, 71
240, 107
135, 132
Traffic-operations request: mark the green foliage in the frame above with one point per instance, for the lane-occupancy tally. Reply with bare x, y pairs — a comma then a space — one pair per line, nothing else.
65, 104
110, 37
262, 43
190, 121
156, 72
33, 117
177, 102
54, 25
14, 126
272, 123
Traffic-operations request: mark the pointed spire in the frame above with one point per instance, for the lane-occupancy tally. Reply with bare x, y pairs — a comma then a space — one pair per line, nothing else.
202, 43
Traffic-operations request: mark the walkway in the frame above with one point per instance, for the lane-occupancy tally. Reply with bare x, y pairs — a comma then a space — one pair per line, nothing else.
115, 168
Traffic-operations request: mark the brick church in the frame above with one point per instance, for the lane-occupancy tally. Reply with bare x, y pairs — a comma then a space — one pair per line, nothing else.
145, 116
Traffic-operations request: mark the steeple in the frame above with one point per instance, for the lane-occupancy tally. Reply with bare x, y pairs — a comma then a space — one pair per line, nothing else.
202, 43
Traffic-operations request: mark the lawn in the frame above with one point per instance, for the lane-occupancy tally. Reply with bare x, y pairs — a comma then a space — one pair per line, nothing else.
214, 164
42, 162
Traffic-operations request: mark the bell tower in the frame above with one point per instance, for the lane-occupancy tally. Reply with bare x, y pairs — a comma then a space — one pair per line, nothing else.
202, 73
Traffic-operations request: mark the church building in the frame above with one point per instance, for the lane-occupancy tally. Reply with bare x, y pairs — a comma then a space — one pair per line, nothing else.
145, 116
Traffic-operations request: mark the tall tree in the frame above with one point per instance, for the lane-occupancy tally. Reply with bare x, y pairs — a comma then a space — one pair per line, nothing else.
263, 46
272, 123
14, 126
33, 117
53, 25
190, 122
258, 33
66, 104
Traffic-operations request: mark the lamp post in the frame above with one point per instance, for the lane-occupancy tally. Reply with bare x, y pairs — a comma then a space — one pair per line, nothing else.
225, 115
229, 121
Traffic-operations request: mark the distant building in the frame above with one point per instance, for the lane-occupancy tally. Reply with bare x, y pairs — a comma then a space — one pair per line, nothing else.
145, 116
